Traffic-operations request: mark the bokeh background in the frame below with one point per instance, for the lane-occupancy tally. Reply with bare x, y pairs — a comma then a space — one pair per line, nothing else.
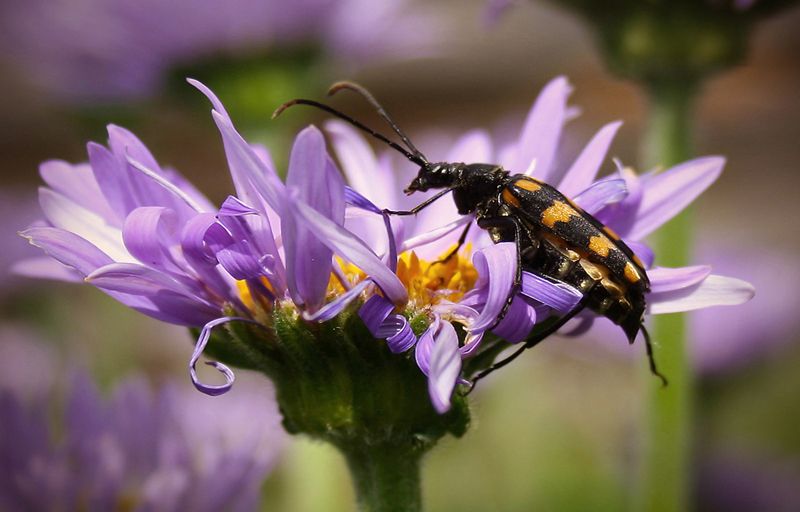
557, 429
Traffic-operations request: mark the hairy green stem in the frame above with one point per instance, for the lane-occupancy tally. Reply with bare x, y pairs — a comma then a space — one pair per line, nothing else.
386, 477
665, 466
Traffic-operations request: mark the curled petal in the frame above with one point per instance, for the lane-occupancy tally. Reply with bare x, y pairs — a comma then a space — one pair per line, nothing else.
712, 291
200, 346
424, 348
553, 293
147, 235
377, 315
518, 321
445, 367
602, 193
201, 236
496, 266
241, 262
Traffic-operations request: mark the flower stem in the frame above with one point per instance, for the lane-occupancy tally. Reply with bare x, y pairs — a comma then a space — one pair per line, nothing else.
664, 470
386, 478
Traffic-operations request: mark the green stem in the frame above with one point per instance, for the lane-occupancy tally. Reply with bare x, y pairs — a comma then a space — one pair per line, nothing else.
386, 478
665, 466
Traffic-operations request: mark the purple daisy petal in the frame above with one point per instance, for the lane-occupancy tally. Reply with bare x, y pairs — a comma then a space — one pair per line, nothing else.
583, 171
600, 194
496, 266
319, 184
196, 239
69, 249
518, 321
45, 267
78, 183
68, 215
345, 244
643, 251
424, 348
337, 305
542, 130
445, 367
713, 291
551, 292
378, 317
147, 232
473, 146
671, 279
671, 191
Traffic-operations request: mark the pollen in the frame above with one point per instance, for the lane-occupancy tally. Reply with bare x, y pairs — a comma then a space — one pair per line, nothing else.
559, 212
429, 283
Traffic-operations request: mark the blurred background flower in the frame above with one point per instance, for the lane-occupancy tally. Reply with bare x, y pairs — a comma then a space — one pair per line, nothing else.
556, 430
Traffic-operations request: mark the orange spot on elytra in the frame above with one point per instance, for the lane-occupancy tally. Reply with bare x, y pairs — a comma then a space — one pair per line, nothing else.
527, 184
558, 212
600, 245
631, 274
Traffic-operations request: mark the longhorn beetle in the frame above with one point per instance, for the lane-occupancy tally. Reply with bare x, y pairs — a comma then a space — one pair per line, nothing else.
554, 237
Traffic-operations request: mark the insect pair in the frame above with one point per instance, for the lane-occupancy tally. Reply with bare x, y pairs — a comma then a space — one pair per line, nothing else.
554, 237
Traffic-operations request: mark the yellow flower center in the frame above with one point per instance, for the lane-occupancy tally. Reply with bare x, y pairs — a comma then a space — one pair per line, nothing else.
427, 283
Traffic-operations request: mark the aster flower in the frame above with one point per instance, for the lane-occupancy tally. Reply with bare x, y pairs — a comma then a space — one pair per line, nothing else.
633, 206
121, 49
172, 450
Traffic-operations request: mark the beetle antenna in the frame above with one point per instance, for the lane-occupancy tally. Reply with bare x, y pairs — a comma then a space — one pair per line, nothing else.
378, 108
417, 158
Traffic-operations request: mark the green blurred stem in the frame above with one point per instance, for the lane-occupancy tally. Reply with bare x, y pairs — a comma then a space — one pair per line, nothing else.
665, 465
386, 477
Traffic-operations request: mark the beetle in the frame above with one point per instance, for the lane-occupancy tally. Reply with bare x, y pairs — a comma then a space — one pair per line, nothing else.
554, 237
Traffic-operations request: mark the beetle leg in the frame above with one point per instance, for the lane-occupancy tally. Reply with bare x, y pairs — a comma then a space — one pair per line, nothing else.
505, 222
422, 205
532, 341
650, 357
460, 243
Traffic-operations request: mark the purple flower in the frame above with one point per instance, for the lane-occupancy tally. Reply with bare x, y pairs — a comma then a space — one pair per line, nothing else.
146, 237
633, 206
173, 450
111, 50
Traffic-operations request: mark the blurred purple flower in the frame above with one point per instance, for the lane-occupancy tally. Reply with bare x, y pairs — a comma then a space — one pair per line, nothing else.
137, 451
633, 206
748, 482
722, 341
111, 50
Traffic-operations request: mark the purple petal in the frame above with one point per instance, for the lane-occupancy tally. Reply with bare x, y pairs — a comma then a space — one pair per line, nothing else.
713, 291
337, 305
582, 173
68, 215
202, 341
424, 348
359, 201
241, 262
147, 232
353, 250
542, 131
553, 293
671, 279
445, 367
69, 249
671, 191
111, 180
377, 315
77, 182
319, 184
246, 166
45, 267
621, 216
360, 166
474, 146
642, 251
518, 321
600, 194
497, 267
194, 236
